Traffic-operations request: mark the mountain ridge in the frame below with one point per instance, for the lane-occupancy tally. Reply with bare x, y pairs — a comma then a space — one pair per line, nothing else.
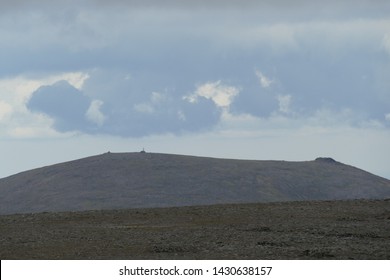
146, 180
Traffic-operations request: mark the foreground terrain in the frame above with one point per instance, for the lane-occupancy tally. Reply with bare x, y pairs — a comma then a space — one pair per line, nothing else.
356, 229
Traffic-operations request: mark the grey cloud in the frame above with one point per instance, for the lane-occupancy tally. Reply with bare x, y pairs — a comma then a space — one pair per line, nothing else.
169, 48
64, 103
120, 105
342, 82
98, 34
335, 82
177, 117
333, 7
136, 106
255, 101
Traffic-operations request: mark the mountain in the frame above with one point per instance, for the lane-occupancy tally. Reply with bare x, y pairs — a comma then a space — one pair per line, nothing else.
143, 180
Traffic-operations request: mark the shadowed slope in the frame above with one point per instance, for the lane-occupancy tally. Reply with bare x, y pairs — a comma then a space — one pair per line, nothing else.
130, 180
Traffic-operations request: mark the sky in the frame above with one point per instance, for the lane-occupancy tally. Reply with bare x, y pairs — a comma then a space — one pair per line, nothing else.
265, 80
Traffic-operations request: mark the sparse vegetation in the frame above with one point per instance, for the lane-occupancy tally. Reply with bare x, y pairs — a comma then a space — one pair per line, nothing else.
143, 180
358, 229
337, 227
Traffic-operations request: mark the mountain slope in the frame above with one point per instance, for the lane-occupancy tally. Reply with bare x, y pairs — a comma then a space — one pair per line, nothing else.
133, 180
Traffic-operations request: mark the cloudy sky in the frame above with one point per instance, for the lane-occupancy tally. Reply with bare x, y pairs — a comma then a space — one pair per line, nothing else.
271, 79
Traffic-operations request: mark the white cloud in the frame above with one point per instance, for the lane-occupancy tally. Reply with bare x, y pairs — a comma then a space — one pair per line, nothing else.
30, 132
347, 117
192, 98
144, 108
181, 115
157, 97
76, 79
220, 94
16, 90
387, 117
18, 121
386, 42
284, 103
94, 114
265, 82
19, 88
29, 125
277, 37
5, 110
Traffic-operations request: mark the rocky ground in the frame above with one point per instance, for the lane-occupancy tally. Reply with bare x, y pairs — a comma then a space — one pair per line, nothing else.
357, 229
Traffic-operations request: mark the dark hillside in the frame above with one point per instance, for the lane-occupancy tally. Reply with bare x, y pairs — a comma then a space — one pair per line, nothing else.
134, 180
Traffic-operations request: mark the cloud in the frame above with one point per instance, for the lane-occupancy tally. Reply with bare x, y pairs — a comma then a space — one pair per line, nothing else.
149, 107
94, 114
112, 103
5, 110
221, 95
137, 67
144, 108
297, 10
15, 92
62, 102
258, 97
284, 103
386, 42
264, 81
137, 107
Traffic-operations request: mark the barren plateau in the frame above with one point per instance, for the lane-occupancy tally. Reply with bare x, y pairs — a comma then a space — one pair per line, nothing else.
354, 229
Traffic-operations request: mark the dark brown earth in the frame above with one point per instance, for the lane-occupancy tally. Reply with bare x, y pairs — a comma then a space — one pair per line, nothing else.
356, 229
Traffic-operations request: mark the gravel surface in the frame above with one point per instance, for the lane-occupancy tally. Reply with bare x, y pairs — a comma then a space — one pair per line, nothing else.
356, 229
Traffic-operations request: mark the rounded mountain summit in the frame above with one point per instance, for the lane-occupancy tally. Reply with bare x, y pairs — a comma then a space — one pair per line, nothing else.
145, 180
